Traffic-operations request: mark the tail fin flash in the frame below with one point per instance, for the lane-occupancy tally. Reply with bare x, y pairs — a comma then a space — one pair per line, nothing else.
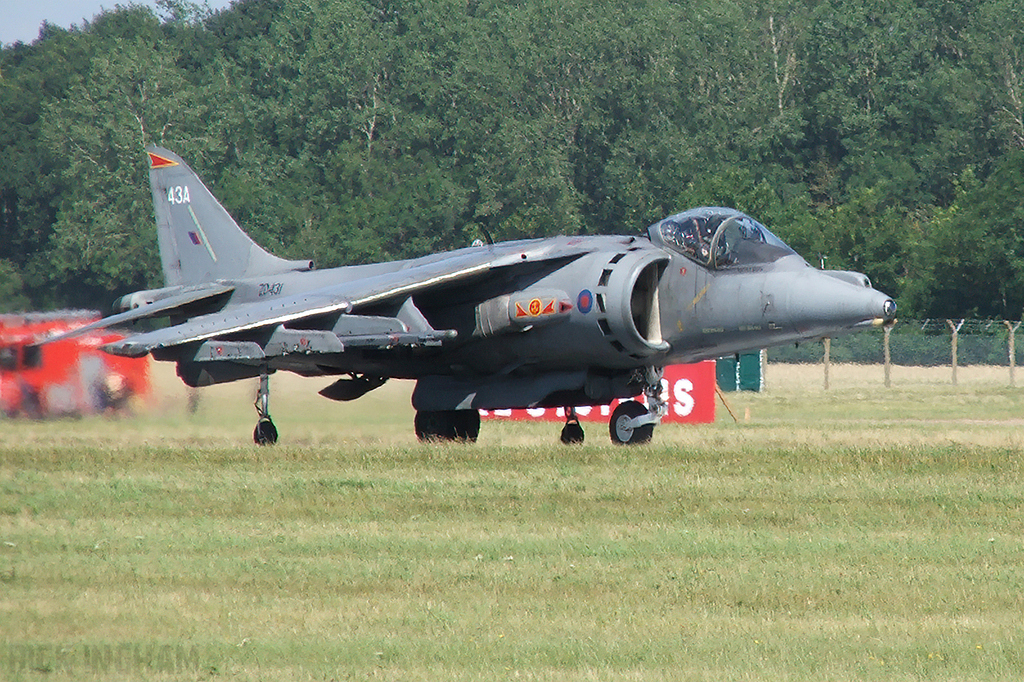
199, 241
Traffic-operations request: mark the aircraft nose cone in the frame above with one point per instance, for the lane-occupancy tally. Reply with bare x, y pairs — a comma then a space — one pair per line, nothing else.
819, 303
889, 310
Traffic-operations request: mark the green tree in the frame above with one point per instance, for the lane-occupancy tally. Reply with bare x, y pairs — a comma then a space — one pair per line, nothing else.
12, 293
997, 60
979, 249
132, 94
890, 100
30, 186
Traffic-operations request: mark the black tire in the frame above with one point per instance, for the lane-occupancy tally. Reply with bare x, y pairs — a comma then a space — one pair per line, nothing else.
467, 425
622, 435
447, 425
433, 425
572, 433
265, 432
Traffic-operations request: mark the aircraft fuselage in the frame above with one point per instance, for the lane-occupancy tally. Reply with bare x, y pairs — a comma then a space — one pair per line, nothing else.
624, 305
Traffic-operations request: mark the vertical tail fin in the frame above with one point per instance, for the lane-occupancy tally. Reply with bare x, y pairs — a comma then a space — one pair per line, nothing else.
199, 240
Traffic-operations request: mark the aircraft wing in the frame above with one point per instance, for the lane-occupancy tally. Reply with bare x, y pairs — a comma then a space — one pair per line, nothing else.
346, 297
461, 265
243, 318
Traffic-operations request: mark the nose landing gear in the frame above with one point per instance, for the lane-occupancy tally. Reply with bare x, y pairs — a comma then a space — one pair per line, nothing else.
631, 422
626, 427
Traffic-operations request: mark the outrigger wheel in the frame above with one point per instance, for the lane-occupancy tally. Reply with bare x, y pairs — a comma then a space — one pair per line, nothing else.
265, 432
572, 432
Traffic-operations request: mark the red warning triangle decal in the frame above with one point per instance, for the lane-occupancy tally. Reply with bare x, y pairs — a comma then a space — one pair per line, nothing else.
157, 161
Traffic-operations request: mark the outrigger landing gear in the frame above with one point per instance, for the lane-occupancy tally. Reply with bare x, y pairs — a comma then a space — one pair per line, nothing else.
572, 432
265, 432
631, 422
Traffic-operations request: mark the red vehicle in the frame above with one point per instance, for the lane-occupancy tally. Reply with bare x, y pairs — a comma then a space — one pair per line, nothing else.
65, 378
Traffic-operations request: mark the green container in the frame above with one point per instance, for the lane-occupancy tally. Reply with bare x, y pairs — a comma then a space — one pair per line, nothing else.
726, 374
749, 372
739, 372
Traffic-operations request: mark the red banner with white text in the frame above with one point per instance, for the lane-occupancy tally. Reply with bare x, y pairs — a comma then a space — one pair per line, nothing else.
689, 390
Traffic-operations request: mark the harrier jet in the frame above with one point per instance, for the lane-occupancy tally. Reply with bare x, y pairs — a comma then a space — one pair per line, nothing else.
556, 322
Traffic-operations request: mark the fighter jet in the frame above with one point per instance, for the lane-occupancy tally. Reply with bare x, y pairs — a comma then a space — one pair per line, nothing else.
557, 322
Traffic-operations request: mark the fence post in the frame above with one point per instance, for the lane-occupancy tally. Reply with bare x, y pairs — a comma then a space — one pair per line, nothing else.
955, 330
1011, 351
887, 355
828, 359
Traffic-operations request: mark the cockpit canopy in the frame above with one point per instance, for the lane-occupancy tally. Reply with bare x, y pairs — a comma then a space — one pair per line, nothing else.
719, 238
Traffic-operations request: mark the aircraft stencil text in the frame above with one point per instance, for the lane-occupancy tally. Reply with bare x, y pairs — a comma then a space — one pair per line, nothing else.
178, 195
270, 289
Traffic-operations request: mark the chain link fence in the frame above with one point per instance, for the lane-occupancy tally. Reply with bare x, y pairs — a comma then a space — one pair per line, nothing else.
918, 343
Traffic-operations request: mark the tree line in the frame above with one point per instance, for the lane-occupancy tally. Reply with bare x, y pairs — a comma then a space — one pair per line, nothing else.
885, 136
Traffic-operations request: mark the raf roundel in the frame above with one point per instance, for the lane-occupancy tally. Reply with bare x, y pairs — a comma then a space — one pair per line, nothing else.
585, 301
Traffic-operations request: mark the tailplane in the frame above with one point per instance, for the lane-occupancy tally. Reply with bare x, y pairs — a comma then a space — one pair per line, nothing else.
199, 241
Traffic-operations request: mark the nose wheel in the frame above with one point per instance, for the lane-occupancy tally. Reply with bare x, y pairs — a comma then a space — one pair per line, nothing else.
265, 432
632, 423
626, 427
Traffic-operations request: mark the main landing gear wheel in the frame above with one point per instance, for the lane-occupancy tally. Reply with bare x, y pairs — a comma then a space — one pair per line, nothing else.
622, 432
572, 432
265, 432
447, 425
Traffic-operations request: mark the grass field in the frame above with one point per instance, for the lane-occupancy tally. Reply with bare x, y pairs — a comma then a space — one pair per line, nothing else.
854, 534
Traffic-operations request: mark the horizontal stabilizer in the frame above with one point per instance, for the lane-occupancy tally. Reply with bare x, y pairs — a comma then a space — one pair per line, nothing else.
163, 307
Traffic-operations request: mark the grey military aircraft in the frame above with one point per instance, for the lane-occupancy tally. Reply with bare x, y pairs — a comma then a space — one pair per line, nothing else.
557, 322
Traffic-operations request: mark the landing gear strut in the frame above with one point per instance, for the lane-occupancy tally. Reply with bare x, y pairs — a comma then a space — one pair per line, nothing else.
631, 422
265, 432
